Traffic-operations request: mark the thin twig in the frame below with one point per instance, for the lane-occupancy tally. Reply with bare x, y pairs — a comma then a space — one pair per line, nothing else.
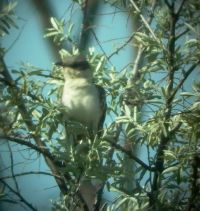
141, 50
137, 61
41, 150
186, 75
12, 168
167, 3
130, 155
22, 199
180, 8
175, 128
28, 173
144, 21
98, 42
182, 33
122, 46
28, 144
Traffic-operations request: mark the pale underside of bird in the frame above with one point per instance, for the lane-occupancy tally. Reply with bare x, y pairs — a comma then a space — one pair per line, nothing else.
83, 100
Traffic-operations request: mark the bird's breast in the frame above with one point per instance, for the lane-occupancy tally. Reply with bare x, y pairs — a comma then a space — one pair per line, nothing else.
82, 103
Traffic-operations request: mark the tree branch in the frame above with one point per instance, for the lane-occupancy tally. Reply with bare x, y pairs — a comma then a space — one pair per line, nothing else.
140, 51
182, 33
15, 91
28, 173
180, 7
28, 144
144, 21
186, 75
122, 46
38, 149
89, 9
130, 155
98, 42
12, 168
168, 4
195, 187
165, 137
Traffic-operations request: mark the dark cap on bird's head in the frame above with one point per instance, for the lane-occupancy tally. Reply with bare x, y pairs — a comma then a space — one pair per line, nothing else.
78, 62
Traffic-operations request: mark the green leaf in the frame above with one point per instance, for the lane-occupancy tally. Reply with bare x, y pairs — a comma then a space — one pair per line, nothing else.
164, 92
10, 21
51, 34
36, 114
4, 29
54, 23
171, 169
187, 94
170, 154
190, 27
35, 72
123, 119
120, 202
11, 6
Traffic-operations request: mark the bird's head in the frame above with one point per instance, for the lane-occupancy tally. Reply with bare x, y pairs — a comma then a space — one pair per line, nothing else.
75, 67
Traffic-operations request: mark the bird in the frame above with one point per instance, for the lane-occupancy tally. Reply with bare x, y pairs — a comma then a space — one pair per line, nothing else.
83, 101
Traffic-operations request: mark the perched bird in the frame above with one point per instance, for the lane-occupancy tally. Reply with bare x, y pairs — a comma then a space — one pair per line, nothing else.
84, 101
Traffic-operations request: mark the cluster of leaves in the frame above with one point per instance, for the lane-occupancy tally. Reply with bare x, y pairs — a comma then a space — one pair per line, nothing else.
145, 111
60, 31
7, 18
151, 94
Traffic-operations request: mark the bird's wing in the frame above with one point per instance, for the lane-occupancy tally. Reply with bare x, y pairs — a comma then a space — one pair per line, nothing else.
103, 106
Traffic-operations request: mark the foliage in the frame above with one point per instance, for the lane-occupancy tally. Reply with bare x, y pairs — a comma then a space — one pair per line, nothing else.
7, 18
58, 31
150, 107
